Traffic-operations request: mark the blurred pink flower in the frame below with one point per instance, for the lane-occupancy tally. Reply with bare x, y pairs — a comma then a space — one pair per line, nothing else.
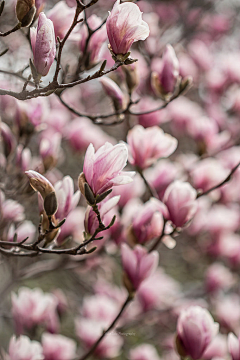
144, 352
148, 222
180, 199
103, 169
58, 347
67, 200
62, 16
31, 307
164, 80
125, 26
24, 349
195, 331
217, 348
218, 277
234, 346
43, 44
146, 146
89, 331
113, 91
138, 264
24, 230
97, 39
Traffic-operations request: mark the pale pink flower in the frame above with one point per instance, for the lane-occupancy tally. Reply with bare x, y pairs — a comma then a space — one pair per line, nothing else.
218, 277
82, 132
195, 331
148, 221
89, 331
24, 230
91, 222
66, 199
164, 80
200, 54
43, 44
62, 16
11, 210
125, 26
100, 307
180, 199
159, 291
234, 346
32, 307
138, 264
58, 347
144, 352
97, 39
23, 158
227, 311
103, 169
24, 349
113, 91
217, 348
73, 226
153, 118
148, 145
162, 175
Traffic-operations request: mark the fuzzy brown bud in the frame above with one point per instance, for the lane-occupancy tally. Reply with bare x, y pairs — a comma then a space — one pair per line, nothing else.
50, 204
25, 11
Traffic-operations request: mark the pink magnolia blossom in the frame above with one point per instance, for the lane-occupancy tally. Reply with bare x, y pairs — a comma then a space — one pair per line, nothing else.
50, 149
58, 347
148, 222
24, 230
23, 158
100, 307
24, 349
43, 44
62, 16
217, 348
97, 39
67, 200
144, 352
234, 346
125, 26
31, 307
180, 199
148, 145
103, 169
11, 210
227, 311
89, 330
73, 226
138, 264
162, 175
113, 91
153, 118
195, 331
159, 291
82, 132
164, 81
218, 277
91, 222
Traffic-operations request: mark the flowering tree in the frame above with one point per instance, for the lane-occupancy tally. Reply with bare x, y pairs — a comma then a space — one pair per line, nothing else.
119, 191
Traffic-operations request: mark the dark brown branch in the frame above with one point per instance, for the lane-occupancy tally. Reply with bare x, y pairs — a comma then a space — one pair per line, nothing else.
16, 27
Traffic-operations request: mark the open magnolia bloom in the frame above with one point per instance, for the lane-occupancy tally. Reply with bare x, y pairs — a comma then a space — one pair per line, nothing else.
125, 26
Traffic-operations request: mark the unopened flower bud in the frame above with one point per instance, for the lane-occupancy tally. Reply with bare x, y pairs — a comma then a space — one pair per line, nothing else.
39, 183
25, 11
81, 182
114, 92
50, 204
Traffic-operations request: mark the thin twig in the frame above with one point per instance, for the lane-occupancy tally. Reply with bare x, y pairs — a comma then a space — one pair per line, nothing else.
111, 326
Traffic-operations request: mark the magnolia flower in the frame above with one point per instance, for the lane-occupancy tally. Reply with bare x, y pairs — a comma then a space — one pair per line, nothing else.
58, 347
165, 80
195, 331
24, 349
43, 44
138, 265
125, 26
103, 169
180, 199
234, 346
148, 145
113, 91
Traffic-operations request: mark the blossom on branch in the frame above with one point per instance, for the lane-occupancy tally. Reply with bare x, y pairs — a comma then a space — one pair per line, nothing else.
148, 145
103, 169
43, 44
195, 331
125, 26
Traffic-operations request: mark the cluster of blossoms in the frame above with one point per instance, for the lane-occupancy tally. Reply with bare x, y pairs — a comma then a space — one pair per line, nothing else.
104, 230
